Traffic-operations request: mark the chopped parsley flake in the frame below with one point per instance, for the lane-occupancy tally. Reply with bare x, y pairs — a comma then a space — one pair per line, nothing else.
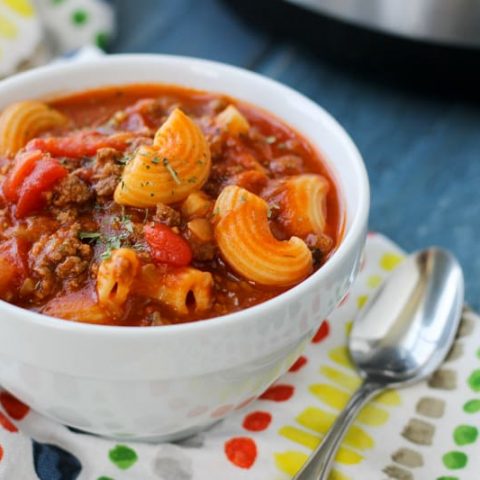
171, 171
89, 235
155, 160
112, 243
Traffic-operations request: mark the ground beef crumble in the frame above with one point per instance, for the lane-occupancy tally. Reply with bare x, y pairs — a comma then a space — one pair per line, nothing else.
59, 256
106, 171
71, 190
167, 215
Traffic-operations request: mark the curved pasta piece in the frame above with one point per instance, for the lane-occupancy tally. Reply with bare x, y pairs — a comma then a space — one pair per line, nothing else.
177, 164
77, 306
174, 286
231, 198
233, 121
115, 277
303, 204
22, 121
248, 246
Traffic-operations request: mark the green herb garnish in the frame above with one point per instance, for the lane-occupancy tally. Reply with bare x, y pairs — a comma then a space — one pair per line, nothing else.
89, 235
171, 171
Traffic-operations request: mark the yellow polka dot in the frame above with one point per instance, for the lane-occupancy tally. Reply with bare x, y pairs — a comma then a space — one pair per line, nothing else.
290, 462
340, 355
390, 398
7, 28
344, 455
320, 421
350, 382
336, 475
348, 327
22, 7
361, 301
390, 261
338, 399
374, 281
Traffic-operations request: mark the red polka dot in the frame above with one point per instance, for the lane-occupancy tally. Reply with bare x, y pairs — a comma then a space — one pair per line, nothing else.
278, 393
1, 453
299, 364
7, 424
246, 402
221, 411
241, 451
15, 408
257, 421
322, 332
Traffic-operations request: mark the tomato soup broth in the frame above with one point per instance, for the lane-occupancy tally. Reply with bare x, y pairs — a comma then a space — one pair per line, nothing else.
150, 205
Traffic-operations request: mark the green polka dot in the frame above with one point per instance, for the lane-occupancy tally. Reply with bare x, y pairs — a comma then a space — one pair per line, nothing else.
465, 434
390, 261
474, 381
104, 478
472, 406
57, 2
448, 478
122, 456
455, 460
79, 17
101, 40
478, 353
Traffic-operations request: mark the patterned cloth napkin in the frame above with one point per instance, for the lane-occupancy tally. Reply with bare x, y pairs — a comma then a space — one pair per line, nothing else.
33, 32
425, 432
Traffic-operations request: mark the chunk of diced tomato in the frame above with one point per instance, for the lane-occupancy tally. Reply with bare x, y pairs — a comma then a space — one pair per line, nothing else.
24, 165
166, 246
46, 173
13, 265
84, 144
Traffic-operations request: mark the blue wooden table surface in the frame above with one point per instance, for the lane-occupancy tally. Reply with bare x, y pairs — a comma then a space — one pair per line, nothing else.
422, 152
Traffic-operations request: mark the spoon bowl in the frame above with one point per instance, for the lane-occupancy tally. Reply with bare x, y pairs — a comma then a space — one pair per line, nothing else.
407, 328
402, 336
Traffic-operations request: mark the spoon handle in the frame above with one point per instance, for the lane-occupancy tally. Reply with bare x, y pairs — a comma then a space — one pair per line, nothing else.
318, 466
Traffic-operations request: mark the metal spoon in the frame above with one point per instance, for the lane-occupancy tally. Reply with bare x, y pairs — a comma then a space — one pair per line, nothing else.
402, 336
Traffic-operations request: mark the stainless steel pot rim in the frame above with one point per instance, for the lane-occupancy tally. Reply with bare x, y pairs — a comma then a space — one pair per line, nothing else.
448, 22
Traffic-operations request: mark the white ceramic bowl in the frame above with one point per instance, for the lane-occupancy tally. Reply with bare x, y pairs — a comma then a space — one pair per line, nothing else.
167, 382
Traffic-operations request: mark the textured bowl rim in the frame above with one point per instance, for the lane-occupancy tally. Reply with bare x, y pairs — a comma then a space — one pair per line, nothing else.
349, 240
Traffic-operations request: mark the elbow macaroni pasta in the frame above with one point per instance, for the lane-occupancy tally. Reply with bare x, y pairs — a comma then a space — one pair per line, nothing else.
23, 121
303, 204
249, 247
115, 278
177, 164
172, 288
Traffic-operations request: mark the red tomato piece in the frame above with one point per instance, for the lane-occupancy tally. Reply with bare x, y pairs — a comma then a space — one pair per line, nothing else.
84, 144
15, 251
166, 246
45, 175
24, 165
13, 266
